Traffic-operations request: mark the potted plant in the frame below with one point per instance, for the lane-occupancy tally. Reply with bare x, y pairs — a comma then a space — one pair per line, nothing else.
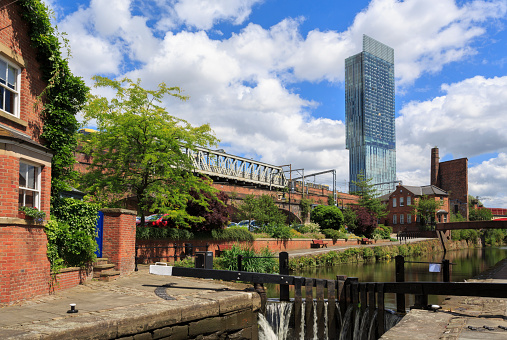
32, 213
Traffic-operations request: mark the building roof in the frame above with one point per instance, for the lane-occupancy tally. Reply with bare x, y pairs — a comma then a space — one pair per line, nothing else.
426, 190
7, 133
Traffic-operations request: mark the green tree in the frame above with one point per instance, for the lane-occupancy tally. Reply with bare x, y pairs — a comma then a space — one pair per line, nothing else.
327, 216
368, 197
426, 208
480, 214
304, 207
330, 199
350, 218
262, 209
140, 151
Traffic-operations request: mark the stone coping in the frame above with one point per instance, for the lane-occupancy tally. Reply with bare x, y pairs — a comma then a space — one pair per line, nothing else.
119, 211
20, 221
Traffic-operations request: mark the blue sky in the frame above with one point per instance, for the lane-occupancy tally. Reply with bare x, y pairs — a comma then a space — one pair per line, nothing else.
268, 75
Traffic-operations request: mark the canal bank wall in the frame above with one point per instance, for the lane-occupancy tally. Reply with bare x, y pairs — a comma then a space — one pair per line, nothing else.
138, 306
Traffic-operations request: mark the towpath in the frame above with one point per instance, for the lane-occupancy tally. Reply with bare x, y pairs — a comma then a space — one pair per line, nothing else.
351, 244
139, 303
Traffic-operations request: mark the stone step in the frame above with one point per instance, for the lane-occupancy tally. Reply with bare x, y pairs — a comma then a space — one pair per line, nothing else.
109, 275
102, 268
100, 260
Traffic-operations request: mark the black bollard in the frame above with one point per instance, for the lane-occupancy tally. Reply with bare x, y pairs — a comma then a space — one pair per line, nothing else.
283, 260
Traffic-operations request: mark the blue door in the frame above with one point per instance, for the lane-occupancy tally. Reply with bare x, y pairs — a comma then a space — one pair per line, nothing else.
98, 238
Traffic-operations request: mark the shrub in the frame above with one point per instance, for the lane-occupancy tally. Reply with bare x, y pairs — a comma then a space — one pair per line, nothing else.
262, 262
156, 233
382, 232
328, 217
232, 234
307, 228
334, 234
71, 233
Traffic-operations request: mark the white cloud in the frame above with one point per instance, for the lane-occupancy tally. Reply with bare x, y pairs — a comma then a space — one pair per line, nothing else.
203, 14
488, 180
463, 122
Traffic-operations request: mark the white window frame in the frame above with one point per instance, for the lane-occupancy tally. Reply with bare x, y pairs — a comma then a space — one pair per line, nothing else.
394, 219
36, 191
394, 202
402, 219
15, 92
409, 200
409, 219
401, 202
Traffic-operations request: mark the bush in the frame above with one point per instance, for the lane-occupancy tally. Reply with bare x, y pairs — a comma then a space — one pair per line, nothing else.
334, 234
382, 232
232, 234
307, 228
495, 237
251, 261
71, 233
156, 233
328, 217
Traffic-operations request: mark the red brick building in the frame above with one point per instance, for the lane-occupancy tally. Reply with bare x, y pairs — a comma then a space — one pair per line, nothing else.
25, 164
451, 176
401, 211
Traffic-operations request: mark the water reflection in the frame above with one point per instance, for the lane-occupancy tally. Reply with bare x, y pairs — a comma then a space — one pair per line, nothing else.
467, 263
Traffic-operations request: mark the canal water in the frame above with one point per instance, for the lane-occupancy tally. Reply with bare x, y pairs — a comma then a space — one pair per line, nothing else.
467, 263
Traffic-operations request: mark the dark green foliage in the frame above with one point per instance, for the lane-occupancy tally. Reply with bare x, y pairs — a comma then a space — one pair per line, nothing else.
426, 208
330, 200
155, 233
382, 232
279, 231
229, 260
457, 218
349, 218
304, 207
261, 209
368, 197
470, 235
328, 217
334, 234
64, 96
232, 234
480, 214
34, 213
495, 237
71, 233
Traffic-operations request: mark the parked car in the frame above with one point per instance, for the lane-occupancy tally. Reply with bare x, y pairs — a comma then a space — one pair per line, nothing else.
231, 224
252, 225
154, 220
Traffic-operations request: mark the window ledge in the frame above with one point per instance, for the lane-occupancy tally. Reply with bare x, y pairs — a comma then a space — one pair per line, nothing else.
20, 221
13, 119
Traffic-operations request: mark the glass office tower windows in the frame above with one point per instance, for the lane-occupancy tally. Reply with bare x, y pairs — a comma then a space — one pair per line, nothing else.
369, 115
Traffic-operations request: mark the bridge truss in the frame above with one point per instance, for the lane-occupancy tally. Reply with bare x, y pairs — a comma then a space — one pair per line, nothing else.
215, 163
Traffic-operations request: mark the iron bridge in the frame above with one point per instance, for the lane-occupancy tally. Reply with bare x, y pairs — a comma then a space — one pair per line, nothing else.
215, 163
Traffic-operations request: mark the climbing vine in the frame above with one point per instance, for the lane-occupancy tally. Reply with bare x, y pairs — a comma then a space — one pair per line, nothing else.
64, 95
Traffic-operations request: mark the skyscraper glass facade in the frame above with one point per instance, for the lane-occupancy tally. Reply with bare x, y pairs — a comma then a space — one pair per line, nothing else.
369, 115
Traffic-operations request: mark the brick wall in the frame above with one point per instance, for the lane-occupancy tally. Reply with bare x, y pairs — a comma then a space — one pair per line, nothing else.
119, 238
24, 266
16, 47
453, 178
70, 277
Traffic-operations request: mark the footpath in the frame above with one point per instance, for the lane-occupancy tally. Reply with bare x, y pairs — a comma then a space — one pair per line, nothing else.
137, 306
461, 317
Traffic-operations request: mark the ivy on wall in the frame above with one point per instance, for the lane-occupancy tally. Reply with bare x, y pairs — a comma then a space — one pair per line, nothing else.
64, 95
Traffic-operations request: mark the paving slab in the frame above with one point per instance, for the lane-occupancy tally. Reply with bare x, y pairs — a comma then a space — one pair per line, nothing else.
133, 303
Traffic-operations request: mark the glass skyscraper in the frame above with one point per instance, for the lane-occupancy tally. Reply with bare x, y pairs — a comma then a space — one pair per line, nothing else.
369, 115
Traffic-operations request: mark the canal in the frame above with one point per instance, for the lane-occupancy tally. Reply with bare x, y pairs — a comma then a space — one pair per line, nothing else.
467, 263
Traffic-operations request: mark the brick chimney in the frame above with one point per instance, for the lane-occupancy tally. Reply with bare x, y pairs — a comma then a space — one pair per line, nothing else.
435, 161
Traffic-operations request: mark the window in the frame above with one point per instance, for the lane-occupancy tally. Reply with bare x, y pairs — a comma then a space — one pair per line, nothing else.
401, 203
409, 219
29, 185
409, 202
417, 219
10, 78
394, 202
402, 219
394, 219
445, 218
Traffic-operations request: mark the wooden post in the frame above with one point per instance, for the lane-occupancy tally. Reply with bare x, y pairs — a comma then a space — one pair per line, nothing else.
381, 310
400, 277
240, 263
363, 296
298, 303
283, 260
309, 331
447, 270
331, 309
371, 299
321, 327
341, 293
354, 292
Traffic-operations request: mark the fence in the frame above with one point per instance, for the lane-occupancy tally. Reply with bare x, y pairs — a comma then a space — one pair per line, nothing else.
351, 295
